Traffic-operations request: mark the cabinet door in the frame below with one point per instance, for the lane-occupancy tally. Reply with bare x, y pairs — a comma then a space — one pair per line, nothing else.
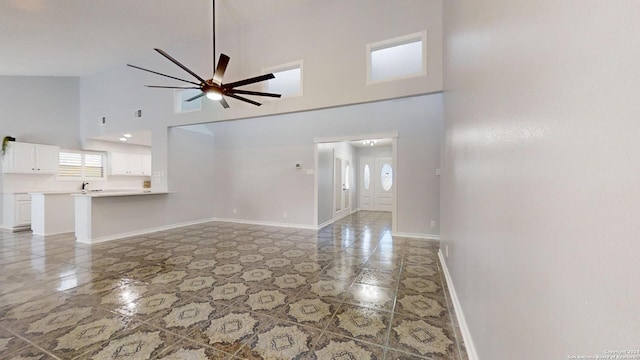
146, 165
47, 159
135, 164
23, 213
20, 158
119, 163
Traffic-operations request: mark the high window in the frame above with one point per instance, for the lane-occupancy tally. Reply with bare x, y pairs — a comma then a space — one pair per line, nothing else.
397, 58
180, 103
288, 81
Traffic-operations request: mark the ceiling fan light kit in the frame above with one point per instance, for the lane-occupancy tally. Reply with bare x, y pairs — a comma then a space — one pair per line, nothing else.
213, 88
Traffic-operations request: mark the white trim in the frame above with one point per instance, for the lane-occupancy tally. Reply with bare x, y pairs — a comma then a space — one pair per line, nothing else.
415, 235
464, 328
141, 232
267, 223
401, 40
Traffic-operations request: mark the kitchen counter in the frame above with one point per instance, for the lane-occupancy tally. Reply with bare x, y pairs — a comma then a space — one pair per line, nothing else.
112, 193
52, 212
108, 215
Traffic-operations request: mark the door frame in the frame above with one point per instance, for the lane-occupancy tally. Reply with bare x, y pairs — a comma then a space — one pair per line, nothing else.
394, 157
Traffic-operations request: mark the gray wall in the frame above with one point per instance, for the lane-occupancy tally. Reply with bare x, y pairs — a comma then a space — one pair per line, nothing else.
191, 175
254, 159
42, 110
540, 179
325, 183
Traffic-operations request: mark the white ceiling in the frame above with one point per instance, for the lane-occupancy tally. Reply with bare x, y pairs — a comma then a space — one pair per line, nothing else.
80, 37
142, 137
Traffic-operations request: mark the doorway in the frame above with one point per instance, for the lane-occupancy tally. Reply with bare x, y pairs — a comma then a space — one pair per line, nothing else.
355, 173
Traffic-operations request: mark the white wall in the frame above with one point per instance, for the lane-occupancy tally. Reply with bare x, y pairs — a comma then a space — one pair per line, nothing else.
191, 175
324, 174
330, 36
254, 159
540, 196
42, 110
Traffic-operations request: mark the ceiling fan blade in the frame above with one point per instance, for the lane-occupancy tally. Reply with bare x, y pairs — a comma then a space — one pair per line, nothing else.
249, 81
179, 64
224, 103
195, 97
161, 74
220, 69
243, 99
172, 87
256, 93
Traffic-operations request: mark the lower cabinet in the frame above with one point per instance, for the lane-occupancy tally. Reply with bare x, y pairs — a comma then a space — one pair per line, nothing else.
17, 211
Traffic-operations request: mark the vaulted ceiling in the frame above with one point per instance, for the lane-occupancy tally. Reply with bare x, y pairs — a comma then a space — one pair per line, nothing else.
80, 37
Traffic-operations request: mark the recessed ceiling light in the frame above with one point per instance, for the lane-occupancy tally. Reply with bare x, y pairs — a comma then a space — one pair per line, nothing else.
123, 139
127, 135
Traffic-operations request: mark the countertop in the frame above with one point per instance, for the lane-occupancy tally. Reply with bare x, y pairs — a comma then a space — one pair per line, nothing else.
113, 193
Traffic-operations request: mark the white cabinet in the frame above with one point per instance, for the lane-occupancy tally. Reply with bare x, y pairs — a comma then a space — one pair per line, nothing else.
25, 158
130, 164
146, 165
17, 211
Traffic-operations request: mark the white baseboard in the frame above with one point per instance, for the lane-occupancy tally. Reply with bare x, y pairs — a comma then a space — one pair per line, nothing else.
268, 223
141, 232
416, 236
464, 328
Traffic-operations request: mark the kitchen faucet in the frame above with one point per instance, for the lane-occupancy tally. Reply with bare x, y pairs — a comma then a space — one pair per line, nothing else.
84, 185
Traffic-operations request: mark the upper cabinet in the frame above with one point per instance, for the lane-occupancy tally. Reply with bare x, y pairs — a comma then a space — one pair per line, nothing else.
25, 158
130, 164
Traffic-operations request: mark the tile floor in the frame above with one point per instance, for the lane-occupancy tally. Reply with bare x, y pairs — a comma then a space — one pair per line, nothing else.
228, 291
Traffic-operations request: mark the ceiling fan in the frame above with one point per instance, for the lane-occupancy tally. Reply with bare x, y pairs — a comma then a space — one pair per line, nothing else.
214, 88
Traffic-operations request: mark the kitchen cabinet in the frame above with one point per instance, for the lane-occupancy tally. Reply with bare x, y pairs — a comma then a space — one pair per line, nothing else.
130, 164
17, 211
26, 158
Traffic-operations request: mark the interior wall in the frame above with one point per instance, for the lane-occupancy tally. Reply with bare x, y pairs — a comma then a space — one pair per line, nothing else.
41, 110
540, 175
255, 160
191, 169
325, 182
335, 54
344, 148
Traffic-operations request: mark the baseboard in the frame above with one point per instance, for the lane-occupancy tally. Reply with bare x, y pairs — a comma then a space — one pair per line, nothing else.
416, 236
267, 223
464, 328
329, 222
141, 232
326, 223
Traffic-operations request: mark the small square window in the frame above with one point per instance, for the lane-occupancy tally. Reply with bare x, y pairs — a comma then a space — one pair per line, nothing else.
180, 103
398, 58
288, 81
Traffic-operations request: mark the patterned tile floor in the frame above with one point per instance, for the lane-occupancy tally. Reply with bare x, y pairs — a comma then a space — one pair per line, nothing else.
228, 291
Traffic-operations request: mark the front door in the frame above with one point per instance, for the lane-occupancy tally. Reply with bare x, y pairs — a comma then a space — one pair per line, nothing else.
367, 183
383, 184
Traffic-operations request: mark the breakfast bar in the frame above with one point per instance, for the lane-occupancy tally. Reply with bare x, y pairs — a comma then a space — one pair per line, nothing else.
103, 216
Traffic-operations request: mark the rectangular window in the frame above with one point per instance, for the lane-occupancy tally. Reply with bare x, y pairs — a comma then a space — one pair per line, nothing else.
180, 103
398, 58
80, 165
288, 81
